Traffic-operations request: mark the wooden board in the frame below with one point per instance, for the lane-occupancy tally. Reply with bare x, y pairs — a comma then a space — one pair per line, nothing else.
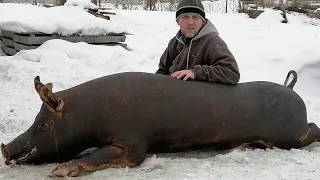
9, 50
19, 47
7, 41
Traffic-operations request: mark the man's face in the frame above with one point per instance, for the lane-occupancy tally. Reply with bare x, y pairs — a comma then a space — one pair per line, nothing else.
190, 24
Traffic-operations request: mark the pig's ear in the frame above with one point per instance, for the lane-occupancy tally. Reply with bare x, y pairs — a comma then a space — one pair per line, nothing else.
54, 103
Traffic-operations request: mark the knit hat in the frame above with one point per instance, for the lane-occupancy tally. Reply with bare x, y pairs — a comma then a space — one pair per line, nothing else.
190, 6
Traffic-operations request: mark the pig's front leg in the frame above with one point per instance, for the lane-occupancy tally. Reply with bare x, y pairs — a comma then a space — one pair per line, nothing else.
111, 156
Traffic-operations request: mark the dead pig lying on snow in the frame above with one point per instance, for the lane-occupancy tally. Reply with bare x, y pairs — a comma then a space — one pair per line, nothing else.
128, 115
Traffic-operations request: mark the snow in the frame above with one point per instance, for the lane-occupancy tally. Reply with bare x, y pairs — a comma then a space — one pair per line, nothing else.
63, 20
87, 4
264, 48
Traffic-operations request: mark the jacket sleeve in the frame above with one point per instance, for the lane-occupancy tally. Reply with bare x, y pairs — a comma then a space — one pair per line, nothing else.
162, 68
165, 61
223, 67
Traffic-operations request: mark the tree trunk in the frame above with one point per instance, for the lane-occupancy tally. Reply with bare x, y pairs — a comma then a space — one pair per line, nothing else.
94, 2
240, 7
60, 2
285, 19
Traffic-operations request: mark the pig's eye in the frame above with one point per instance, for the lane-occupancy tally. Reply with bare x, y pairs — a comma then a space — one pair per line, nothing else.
45, 127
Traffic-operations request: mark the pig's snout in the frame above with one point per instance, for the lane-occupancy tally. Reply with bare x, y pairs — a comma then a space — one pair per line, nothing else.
4, 151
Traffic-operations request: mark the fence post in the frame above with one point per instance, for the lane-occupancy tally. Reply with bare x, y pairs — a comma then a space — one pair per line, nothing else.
226, 6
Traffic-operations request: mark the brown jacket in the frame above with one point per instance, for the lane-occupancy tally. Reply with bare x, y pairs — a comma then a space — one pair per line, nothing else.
209, 57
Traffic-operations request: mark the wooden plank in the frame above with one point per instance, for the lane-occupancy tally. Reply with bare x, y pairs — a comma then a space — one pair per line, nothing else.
20, 47
7, 41
38, 40
109, 39
114, 44
33, 40
9, 50
6, 33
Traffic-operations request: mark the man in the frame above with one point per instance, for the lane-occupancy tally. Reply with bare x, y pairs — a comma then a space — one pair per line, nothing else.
197, 51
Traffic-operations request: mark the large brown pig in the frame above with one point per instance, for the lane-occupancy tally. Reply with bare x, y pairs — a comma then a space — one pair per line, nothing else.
128, 115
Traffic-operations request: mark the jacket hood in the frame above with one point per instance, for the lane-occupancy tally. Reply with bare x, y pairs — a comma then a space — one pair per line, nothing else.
206, 29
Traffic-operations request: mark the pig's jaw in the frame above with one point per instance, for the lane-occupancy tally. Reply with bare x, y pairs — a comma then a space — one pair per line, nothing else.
22, 156
26, 156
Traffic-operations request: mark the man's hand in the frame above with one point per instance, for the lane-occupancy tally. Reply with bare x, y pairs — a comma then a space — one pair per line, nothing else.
185, 74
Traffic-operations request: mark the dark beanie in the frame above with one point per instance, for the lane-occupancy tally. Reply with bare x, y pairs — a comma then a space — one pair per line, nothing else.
190, 6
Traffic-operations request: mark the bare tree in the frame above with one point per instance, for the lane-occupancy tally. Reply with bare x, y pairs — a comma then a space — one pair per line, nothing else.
284, 15
269, 3
150, 4
295, 4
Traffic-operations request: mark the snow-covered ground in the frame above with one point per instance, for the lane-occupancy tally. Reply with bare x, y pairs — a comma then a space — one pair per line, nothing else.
264, 48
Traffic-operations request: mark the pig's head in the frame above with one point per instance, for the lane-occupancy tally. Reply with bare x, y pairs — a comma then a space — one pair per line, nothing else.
39, 143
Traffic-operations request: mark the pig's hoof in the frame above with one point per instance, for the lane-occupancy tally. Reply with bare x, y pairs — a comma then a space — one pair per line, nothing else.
68, 169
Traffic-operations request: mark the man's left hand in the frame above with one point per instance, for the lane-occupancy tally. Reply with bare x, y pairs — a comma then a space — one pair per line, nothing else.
185, 74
